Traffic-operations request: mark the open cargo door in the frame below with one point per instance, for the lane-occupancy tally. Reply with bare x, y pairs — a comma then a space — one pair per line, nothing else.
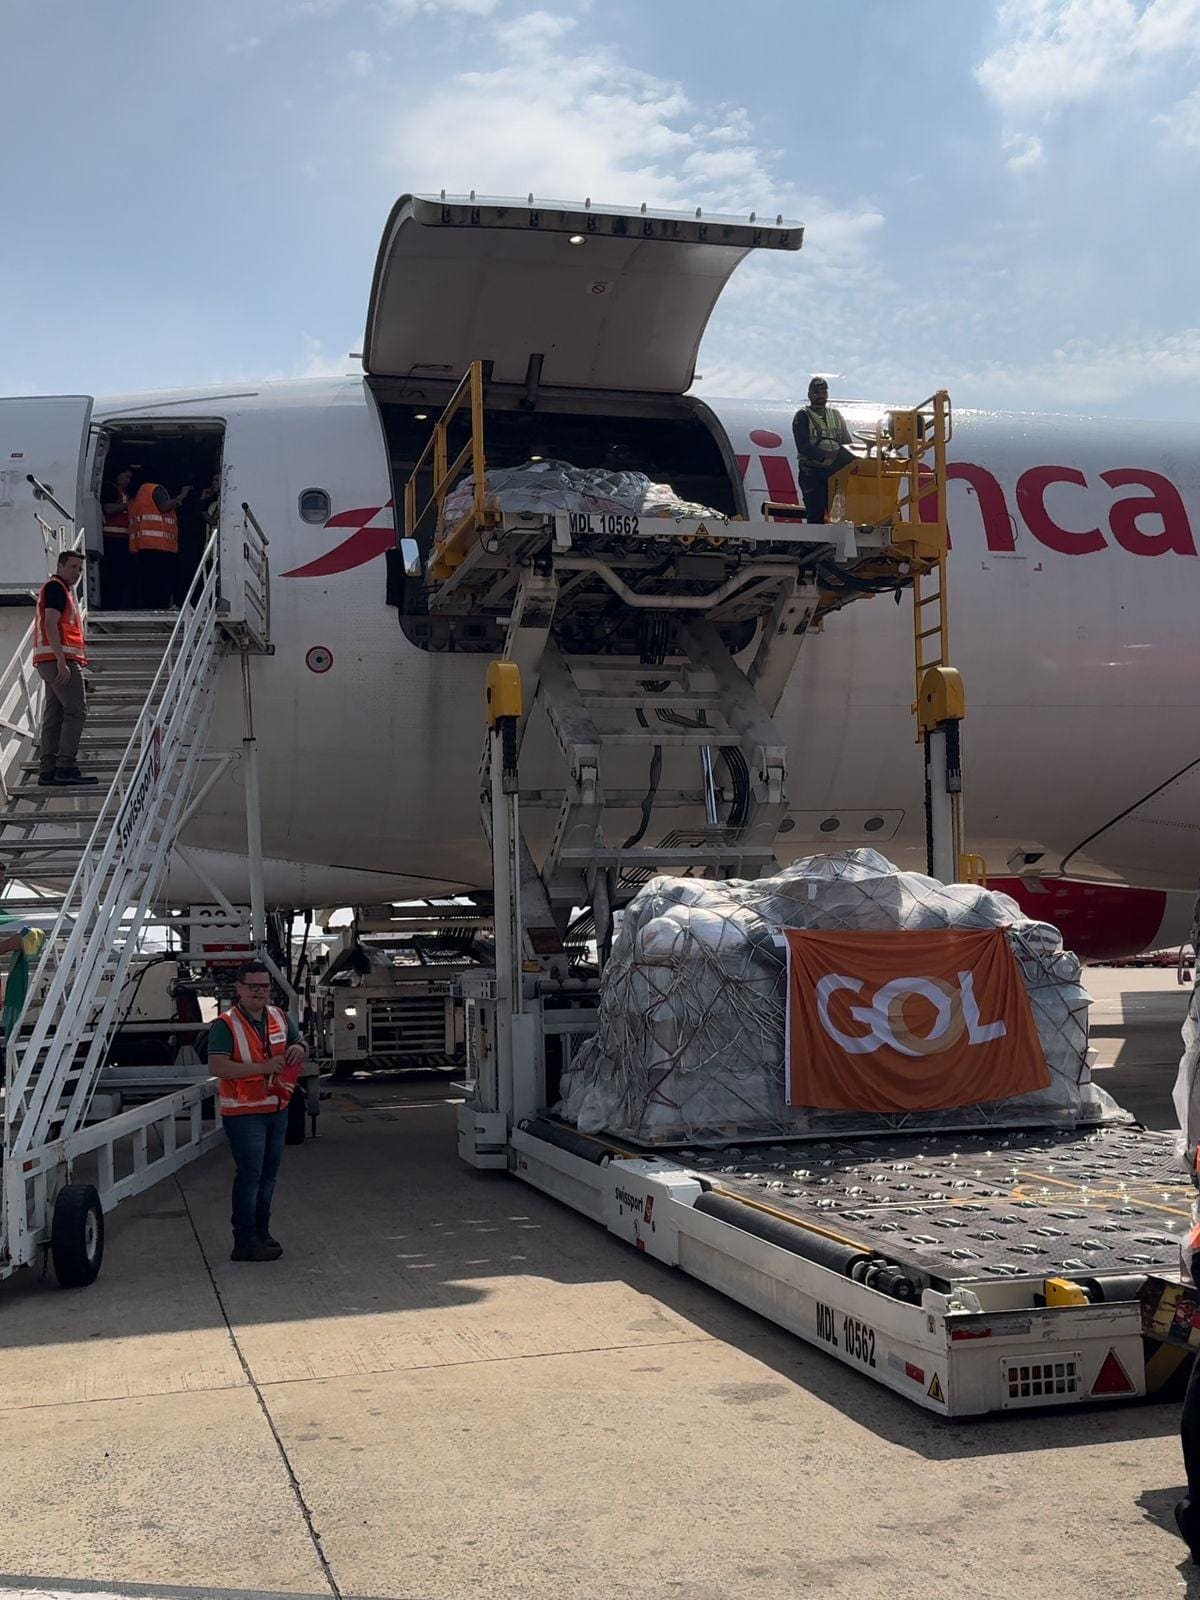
43, 441
568, 296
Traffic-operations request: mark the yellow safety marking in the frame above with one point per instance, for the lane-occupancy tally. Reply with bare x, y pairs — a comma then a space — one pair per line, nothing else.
935, 1390
1126, 1196
1164, 1364
1062, 1292
790, 1216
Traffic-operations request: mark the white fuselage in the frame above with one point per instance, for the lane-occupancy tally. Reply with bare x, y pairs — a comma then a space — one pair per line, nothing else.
1073, 588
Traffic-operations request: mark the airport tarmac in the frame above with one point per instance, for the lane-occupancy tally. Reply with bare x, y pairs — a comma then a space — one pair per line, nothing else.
450, 1385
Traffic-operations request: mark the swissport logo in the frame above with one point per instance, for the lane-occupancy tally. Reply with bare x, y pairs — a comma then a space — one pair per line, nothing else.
951, 1010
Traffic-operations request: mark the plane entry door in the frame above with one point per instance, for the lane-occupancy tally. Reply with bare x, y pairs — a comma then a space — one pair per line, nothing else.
43, 441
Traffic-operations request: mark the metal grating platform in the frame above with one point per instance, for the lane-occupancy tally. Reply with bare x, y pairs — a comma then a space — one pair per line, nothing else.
1105, 1202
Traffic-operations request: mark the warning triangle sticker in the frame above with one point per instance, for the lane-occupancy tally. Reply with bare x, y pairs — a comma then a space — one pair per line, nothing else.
935, 1390
1112, 1377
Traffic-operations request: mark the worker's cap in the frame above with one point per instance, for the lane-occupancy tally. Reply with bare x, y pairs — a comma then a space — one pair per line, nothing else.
817, 383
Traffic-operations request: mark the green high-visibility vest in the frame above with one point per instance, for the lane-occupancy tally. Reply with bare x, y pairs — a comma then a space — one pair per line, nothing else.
824, 432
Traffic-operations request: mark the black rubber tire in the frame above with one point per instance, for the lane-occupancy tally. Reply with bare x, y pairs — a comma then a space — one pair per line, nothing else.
297, 1117
344, 1071
77, 1236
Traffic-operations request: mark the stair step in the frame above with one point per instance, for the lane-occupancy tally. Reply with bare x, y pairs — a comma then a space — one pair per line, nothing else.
32, 767
30, 821
57, 852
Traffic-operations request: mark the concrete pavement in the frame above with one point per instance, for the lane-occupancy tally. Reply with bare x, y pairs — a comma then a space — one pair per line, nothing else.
451, 1385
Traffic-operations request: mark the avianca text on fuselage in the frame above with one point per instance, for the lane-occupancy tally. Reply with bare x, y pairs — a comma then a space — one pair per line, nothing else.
1159, 500
1171, 533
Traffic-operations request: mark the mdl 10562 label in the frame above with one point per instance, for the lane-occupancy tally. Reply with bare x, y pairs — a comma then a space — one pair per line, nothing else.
856, 1338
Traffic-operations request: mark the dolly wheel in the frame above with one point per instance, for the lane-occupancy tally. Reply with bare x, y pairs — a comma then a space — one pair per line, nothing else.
77, 1236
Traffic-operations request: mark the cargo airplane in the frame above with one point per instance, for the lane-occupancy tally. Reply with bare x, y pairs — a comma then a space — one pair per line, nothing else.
1073, 609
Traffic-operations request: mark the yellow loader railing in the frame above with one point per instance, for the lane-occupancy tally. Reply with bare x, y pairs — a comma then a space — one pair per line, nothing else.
450, 546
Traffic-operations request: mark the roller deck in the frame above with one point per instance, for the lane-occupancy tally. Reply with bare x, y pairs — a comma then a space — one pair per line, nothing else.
970, 1273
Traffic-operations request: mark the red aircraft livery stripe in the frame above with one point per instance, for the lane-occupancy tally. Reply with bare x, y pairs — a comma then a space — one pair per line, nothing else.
363, 545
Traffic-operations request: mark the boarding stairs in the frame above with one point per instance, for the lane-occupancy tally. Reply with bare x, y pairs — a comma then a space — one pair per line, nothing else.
89, 866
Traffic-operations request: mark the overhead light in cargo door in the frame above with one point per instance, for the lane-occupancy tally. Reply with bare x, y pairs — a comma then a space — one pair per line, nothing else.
420, 416
577, 238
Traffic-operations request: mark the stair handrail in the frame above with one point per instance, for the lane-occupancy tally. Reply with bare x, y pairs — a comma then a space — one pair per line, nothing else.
256, 579
85, 946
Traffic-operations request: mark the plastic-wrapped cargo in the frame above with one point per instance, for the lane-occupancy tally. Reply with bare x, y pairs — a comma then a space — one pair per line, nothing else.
1187, 1085
691, 1040
549, 486
1187, 1109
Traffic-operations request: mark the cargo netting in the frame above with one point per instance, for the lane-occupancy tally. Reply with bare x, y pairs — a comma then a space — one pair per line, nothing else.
690, 1044
545, 487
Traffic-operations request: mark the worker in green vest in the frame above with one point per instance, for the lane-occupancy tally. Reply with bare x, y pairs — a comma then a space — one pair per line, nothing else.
821, 437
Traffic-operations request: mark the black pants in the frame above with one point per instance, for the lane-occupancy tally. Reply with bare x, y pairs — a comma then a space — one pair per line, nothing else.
114, 574
1189, 1434
814, 487
156, 577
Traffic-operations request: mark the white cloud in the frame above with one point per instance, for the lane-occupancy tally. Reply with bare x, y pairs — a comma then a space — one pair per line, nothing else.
360, 63
242, 47
316, 362
1182, 122
599, 126
1085, 373
1025, 152
404, 10
1055, 53
568, 120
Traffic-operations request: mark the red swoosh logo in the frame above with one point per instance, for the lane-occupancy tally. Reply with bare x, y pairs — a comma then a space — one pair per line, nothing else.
363, 545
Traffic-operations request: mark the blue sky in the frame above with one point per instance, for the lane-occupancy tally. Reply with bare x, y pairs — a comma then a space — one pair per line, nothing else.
1000, 195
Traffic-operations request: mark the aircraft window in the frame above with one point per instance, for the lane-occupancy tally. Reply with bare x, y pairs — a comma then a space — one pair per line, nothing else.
314, 505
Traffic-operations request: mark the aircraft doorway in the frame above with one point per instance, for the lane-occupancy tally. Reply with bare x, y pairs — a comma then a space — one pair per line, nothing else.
185, 458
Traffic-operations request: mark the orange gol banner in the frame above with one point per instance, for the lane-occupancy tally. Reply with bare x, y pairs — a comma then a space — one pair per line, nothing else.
908, 1021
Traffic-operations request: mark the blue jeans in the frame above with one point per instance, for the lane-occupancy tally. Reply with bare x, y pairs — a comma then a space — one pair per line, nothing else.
257, 1144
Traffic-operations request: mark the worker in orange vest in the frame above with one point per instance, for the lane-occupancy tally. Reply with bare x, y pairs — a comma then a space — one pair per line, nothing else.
154, 543
114, 569
59, 656
256, 1054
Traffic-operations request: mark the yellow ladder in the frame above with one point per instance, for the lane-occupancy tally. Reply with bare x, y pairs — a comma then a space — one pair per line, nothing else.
931, 622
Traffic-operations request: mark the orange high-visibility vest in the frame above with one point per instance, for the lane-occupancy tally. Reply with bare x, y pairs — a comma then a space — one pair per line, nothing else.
116, 523
150, 528
70, 629
240, 1097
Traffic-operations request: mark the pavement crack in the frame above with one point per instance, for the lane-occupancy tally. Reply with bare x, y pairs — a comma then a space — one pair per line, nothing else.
293, 1479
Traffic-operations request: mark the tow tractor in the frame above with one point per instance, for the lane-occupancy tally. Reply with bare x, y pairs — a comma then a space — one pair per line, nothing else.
387, 991
972, 1273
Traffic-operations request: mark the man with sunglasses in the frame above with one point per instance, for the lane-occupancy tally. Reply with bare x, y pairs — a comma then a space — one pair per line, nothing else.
256, 1053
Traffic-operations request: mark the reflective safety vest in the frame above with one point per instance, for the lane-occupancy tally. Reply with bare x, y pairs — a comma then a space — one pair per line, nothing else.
824, 432
116, 523
240, 1097
150, 528
70, 629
